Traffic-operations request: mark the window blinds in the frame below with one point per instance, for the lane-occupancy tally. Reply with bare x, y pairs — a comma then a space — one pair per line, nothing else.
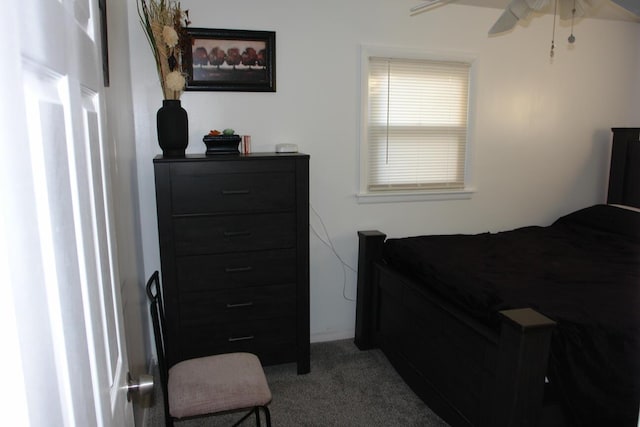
417, 124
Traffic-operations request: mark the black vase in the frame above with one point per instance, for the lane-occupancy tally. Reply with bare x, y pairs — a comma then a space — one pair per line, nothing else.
173, 128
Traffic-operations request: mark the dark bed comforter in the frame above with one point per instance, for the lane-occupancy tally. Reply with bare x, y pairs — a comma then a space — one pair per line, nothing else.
583, 271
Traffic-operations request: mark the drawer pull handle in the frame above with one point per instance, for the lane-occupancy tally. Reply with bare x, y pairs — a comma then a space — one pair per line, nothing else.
238, 269
234, 192
236, 233
234, 339
240, 305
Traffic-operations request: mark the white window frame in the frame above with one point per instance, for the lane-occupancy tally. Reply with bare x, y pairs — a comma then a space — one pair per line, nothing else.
366, 196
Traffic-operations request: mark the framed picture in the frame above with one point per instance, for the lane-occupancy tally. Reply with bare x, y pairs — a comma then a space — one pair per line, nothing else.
230, 60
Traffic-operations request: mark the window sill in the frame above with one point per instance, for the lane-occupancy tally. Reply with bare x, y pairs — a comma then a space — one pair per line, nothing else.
414, 196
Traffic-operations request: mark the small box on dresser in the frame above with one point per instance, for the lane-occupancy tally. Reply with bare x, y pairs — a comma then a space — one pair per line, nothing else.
234, 251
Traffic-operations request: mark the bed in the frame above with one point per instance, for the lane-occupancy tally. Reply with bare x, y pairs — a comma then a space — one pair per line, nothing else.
538, 326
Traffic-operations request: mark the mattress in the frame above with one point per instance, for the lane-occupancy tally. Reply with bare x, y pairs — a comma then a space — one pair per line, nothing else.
583, 271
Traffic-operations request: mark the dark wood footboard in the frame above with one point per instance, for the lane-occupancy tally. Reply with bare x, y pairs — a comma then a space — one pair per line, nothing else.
467, 372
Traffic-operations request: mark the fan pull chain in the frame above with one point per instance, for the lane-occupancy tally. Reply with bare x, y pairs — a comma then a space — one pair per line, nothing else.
553, 35
572, 38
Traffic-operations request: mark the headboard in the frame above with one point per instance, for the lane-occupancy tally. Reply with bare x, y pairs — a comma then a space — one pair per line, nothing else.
624, 174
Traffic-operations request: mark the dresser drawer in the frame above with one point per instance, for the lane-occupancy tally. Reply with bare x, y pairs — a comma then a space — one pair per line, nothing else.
220, 234
235, 270
271, 341
234, 192
232, 305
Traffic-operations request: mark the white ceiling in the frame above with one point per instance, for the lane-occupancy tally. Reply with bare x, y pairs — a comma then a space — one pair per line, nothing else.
602, 9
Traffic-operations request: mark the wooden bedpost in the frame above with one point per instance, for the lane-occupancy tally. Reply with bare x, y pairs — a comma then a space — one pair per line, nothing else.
624, 177
369, 251
525, 338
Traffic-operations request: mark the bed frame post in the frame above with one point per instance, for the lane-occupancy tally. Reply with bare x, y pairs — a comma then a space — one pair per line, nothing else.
525, 337
369, 251
624, 177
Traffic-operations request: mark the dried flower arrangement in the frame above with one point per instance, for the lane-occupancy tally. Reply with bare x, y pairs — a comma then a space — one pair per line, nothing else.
162, 22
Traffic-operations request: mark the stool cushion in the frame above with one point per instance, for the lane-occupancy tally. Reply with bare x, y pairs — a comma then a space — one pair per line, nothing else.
217, 383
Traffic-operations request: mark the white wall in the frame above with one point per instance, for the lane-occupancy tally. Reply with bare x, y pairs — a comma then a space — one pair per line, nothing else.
540, 133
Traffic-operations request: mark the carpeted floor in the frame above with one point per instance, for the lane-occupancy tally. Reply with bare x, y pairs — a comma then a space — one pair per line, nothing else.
346, 387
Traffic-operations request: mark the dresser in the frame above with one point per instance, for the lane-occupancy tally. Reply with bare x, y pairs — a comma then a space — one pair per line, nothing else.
234, 251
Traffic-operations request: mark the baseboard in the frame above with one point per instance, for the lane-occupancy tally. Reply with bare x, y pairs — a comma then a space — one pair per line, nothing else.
332, 336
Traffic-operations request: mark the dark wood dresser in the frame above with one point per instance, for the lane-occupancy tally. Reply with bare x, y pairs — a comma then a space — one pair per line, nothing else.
234, 252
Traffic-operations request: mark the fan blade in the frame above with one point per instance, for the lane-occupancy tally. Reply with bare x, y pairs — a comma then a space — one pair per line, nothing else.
565, 8
506, 22
424, 5
537, 4
517, 9
632, 6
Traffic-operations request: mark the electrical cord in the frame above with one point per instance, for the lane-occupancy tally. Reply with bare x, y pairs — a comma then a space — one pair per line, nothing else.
329, 243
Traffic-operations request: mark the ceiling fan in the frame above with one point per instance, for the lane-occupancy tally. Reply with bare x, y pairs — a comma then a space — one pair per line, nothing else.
520, 9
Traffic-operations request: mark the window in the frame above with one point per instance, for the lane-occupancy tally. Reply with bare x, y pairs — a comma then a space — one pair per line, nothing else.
415, 125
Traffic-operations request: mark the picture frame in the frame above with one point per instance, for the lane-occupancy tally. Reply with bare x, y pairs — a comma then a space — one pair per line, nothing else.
229, 60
